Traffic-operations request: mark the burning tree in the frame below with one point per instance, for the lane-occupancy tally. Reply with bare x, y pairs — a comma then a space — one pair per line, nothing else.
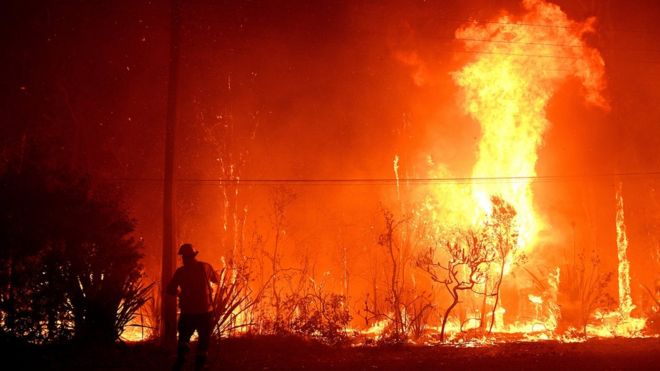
406, 308
502, 232
386, 239
460, 263
475, 259
281, 198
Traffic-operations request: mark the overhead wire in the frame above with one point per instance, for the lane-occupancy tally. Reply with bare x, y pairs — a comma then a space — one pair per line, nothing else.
422, 181
458, 49
475, 21
393, 181
472, 20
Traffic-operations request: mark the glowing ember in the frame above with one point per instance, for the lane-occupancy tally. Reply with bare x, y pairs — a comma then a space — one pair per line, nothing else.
396, 174
137, 330
535, 299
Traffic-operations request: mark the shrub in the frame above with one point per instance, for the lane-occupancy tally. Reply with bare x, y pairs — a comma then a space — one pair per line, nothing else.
69, 265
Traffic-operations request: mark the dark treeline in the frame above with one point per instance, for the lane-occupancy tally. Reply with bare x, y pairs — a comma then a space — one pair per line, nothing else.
69, 267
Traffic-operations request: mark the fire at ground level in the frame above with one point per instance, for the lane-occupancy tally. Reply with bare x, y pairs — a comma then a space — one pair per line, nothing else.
283, 353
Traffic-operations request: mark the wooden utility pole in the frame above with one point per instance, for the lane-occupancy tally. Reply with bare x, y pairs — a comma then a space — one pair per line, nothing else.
168, 302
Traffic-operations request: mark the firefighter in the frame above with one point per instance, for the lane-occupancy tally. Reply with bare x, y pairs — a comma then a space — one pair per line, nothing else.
192, 284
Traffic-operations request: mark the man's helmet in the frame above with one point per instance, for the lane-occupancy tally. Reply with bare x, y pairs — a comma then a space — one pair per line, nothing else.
187, 250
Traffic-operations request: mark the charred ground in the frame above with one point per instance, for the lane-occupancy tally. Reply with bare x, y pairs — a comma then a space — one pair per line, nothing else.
288, 353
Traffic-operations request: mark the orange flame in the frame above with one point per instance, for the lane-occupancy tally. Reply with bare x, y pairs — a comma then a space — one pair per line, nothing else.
520, 64
625, 301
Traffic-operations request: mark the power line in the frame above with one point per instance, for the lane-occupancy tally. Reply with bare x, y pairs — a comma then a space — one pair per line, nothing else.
233, 50
515, 54
516, 42
243, 49
523, 24
452, 18
393, 181
602, 49
470, 21
476, 22
456, 18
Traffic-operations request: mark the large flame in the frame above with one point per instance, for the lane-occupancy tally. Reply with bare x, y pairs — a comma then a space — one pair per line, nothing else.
520, 64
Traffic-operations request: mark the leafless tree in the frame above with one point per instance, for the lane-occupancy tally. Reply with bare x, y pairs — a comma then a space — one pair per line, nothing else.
406, 308
281, 199
386, 239
460, 263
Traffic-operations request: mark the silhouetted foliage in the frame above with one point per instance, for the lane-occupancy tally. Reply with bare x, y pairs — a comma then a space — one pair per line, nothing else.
69, 267
234, 298
323, 316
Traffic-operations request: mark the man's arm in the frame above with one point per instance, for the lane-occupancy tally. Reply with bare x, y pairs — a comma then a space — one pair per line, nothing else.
213, 277
173, 285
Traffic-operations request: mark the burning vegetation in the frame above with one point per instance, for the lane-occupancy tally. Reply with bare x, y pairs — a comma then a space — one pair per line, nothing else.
462, 261
462, 252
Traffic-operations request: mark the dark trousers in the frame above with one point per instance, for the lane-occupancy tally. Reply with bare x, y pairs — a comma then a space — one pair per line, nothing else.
188, 324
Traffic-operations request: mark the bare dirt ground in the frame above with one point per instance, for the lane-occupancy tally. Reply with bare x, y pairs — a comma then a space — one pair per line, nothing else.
273, 353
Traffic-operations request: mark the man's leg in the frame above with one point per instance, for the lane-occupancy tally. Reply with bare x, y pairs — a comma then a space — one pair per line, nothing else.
204, 329
186, 329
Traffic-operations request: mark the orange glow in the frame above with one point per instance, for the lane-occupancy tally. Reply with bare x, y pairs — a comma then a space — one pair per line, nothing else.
516, 66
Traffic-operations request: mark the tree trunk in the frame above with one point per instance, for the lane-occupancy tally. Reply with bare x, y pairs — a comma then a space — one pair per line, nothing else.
168, 304
497, 298
446, 315
482, 320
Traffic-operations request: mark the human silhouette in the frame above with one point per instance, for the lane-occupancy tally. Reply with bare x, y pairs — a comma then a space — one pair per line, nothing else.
192, 284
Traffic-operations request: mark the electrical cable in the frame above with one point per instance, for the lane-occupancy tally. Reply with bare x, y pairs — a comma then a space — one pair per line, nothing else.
393, 181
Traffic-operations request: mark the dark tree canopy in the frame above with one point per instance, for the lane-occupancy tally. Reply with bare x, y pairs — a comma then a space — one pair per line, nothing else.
68, 264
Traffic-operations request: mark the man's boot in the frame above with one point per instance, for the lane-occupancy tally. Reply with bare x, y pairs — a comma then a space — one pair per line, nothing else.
179, 362
200, 361
181, 352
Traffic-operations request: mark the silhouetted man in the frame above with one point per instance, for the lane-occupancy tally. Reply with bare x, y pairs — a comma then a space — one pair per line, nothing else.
191, 283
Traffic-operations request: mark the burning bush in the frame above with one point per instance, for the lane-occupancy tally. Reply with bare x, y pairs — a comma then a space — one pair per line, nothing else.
586, 291
309, 311
234, 299
323, 316
404, 308
68, 264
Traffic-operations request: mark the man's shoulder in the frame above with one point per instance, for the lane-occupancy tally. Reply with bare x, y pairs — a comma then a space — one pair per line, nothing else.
206, 265
210, 272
